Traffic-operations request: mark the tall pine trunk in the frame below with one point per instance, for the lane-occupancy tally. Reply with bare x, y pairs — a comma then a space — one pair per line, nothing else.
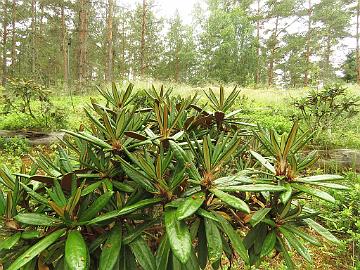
142, 43
177, 65
33, 37
357, 42
257, 74
4, 43
109, 64
308, 53
272, 53
83, 35
123, 40
13, 37
64, 46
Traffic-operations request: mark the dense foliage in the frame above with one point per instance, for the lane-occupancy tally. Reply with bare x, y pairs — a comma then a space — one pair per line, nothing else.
171, 186
293, 43
32, 99
326, 108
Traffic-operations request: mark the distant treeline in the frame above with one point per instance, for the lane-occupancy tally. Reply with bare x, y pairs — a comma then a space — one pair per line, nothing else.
262, 42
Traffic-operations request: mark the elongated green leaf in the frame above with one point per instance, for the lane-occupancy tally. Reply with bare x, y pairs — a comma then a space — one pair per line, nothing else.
179, 236
286, 195
2, 203
96, 206
90, 188
97, 242
322, 231
136, 232
263, 161
290, 139
207, 158
288, 261
184, 158
329, 185
214, 242
35, 250
190, 205
231, 200
317, 178
111, 249
234, 238
143, 254
259, 216
206, 214
90, 138
34, 194
296, 244
201, 247
162, 254
7, 178
122, 186
138, 177
76, 252
253, 188
315, 192
125, 210
30, 234
37, 219
302, 234
269, 244
9, 242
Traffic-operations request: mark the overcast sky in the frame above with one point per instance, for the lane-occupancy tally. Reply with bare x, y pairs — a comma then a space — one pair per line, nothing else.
167, 8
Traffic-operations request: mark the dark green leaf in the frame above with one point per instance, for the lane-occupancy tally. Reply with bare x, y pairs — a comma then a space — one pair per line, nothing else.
111, 249
76, 251
190, 205
231, 200
214, 242
125, 210
259, 216
35, 250
37, 219
143, 254
179, 236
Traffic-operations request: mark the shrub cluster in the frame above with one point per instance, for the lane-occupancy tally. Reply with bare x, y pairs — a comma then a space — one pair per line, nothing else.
323, 109
32, 100
169, 186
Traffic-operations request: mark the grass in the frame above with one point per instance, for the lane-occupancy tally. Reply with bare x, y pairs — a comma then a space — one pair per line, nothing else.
269, 107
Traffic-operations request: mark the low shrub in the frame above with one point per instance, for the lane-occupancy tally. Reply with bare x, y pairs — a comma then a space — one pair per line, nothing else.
344, 216
14, 145
32, 100
323, 109
170, 186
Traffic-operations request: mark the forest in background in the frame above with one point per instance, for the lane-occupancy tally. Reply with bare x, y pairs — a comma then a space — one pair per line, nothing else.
291, 43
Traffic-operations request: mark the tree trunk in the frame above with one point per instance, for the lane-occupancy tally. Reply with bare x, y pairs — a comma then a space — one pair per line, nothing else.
109, 70
41, 25
177, 65
327, 54
64, 45
272, 53
308, 53
357, 42
258, 49
13, 37
123, 37
4, 64
142, 44
33, 37
83, 35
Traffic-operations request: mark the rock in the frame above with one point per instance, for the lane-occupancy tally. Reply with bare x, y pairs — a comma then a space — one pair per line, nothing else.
34, 137
339, 158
